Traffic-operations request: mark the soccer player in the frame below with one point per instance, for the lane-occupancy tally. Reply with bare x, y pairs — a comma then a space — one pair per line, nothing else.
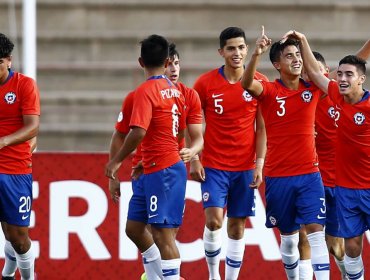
352, 174
234, 133
155, 122
19, 123
294, 189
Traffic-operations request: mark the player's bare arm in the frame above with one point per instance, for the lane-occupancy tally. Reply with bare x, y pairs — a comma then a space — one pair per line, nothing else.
116, 143
309, 61
132, 140
196, 142
248, 82
260, 150
29, 130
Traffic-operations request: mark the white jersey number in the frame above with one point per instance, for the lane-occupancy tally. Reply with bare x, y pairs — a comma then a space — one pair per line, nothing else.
282, 112
175, 120
218, 107
25, 206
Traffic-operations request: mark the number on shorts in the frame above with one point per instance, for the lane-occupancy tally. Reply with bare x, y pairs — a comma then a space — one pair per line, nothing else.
153, 203
25, 206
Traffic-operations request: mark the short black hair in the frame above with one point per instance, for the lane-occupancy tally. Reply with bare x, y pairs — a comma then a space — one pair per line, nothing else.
229, 33
154, 51
6, 46
277, 48
173, 51
356, 61
319, 57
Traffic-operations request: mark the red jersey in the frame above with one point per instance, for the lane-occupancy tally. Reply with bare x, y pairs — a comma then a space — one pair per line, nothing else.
193, 109
159, 109
353, 140
19, 96
230, 114
289, 119
325, 126
123, 123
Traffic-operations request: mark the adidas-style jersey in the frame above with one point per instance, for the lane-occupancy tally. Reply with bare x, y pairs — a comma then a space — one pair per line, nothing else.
230, 114
19, 96
325, 126
193, 109
123, 123
289, 119
353, 140
159, 109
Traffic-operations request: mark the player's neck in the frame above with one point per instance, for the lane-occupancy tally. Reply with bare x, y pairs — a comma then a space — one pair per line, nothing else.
233, 75
354, 97
4, 78
291, 82
150, 72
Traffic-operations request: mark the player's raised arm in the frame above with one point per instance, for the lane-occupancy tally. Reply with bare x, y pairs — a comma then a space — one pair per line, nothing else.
364, 52
309, 60
248, 82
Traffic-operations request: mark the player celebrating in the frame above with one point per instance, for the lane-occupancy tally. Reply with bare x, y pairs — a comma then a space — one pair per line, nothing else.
156, 119
352, 173
294, 189
231, 142
19, 123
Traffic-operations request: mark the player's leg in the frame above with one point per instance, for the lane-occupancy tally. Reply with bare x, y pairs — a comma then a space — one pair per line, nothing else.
334, 243
16, 204
354, 219
281, 213
312, 213
240, 204
165, 194
305, 266
214, 193
137, 231
10, 264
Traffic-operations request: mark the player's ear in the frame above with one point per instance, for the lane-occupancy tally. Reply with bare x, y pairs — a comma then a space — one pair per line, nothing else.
276, 65
362, 79
141, 62
221, 52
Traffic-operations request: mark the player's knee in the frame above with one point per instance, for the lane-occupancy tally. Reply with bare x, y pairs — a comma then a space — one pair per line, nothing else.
289, 243
21, 244
213, 224
336, 248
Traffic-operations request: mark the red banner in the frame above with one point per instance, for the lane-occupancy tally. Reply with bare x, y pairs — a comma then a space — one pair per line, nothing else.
79, 232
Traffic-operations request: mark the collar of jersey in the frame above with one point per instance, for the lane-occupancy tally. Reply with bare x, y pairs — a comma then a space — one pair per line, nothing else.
306, 84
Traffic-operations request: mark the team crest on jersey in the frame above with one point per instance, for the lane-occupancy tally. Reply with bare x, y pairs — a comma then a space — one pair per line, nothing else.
306, 96
247, 97
120, 117
333, 113
10, 97
205, 196
272, 220
359, 118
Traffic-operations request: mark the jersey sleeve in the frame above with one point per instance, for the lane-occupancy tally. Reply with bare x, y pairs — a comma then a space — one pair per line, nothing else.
260, 77
142, 110
124, 117
194, 115
200, 88
333, 91
30, 103
268, 87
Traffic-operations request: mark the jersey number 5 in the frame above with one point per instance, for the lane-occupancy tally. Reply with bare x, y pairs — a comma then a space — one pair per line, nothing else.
218, 107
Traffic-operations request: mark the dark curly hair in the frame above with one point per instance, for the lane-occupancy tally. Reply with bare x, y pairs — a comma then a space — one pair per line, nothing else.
6, 46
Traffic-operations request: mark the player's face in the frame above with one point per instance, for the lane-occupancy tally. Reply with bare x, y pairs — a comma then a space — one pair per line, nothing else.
4, 65
290, 61
234, 52
173, 69
349, 79
323, 69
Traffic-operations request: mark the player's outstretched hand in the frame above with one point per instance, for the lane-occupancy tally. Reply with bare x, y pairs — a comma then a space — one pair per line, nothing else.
292, 34
257, 178
262, 43
137, 170
114, 189
197, 171
186, 154
111, 169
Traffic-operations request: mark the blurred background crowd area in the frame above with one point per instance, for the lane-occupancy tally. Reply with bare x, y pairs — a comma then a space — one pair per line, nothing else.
87, 50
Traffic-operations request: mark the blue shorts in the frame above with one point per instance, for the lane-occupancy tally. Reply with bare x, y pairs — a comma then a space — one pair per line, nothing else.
332, 223
159, 197
353, 211
16, 199
294, 201
229, 188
